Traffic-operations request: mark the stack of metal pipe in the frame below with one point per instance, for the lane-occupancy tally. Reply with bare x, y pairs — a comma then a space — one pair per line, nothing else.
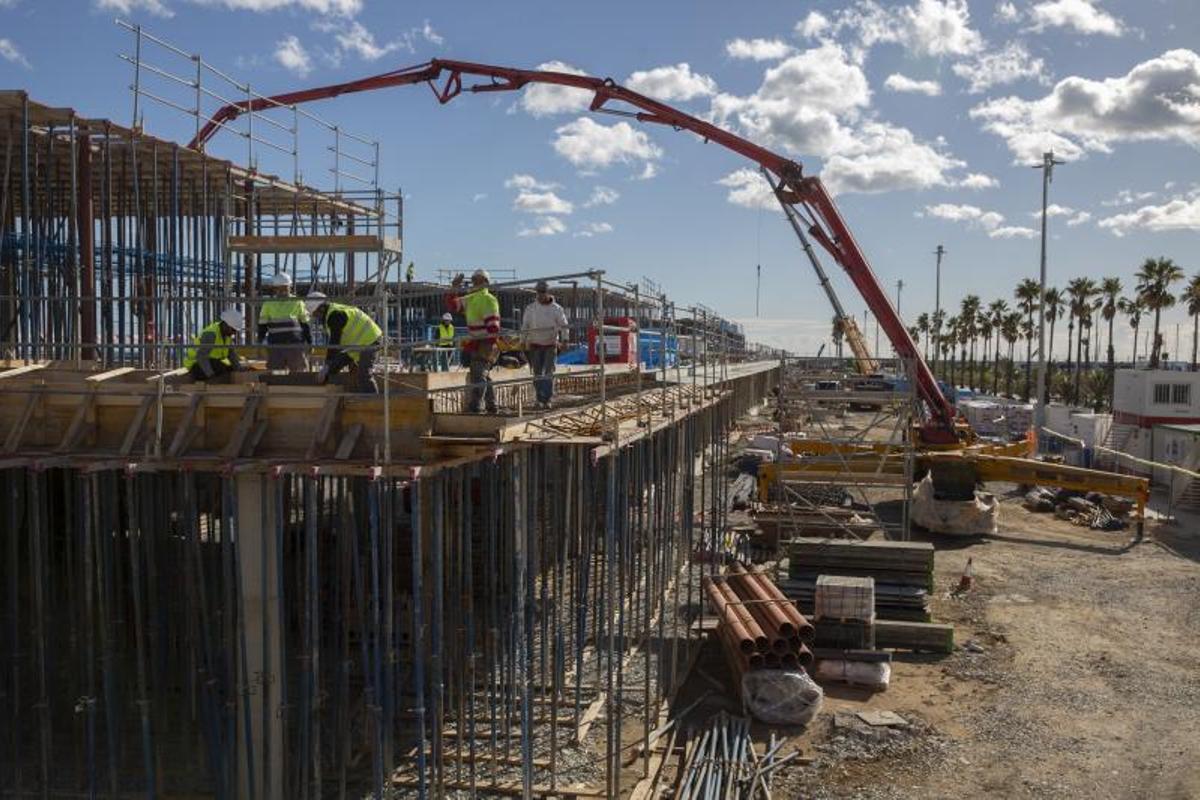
759, 627
720, 761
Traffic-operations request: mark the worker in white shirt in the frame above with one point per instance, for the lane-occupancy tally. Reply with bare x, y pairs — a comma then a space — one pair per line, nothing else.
542, 325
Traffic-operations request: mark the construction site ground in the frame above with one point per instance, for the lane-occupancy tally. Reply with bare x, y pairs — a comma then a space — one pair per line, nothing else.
1075, 673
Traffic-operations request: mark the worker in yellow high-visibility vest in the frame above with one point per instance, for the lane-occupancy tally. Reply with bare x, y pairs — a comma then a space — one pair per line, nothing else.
352, 340
482, 310
283, 326
212, 354
445, 342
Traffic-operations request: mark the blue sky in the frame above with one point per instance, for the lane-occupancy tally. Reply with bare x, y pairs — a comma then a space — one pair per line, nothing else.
921, 116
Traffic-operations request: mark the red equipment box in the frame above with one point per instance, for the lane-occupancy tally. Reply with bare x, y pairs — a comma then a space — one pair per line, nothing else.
619, 346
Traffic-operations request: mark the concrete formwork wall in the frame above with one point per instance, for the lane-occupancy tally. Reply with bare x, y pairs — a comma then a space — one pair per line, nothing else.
193, 631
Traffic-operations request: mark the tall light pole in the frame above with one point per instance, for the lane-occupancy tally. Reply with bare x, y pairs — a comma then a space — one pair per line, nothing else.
937, 302
757, 287
1039, 408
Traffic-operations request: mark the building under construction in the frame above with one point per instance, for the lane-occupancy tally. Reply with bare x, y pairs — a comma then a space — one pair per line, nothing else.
273, 588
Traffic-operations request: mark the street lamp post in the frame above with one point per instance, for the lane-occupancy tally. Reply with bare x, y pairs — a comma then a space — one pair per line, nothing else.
1039, 409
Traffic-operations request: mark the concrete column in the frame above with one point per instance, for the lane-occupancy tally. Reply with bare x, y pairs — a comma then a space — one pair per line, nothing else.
257, 555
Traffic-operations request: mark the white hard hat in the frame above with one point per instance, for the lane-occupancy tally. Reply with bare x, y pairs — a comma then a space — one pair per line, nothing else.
280, 280
314, 300
447, 317
481, 274
233, 318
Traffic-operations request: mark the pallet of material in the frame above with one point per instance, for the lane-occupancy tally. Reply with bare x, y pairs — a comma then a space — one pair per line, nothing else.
892, 601
912, 580
872, 558
929, 637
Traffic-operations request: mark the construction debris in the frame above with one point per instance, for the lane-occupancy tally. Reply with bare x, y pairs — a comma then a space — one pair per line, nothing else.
1096, 511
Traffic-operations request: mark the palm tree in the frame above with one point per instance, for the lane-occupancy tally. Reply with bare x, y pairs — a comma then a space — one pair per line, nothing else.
923, 329
1054, 305
950, 345
986, 330
968, 320
1080, 291
1110, 292
1154, 290
1191, 299
1027, 293
1010, 328
937, 323
996, 311
914, 332
1132, 308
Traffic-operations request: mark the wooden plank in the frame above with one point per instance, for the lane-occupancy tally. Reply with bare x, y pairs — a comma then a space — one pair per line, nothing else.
324, 426
344, 243
135, 425
18, 431
242, 430
507, 788
78, 426
183, 434
25, 370
112, 373
929, 636
349, 439
255, 437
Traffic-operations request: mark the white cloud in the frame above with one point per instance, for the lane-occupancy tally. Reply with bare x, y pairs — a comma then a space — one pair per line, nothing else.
972, 215
1054, 210
925, 28
813, 25
1079, 218
1081, 16
527, 183
1179, 214
902, 83
676, 82
594, 229
602, 196
759, 49
543, 100
590, 145
1008, 65
479, 197
749, 189
649, 170
1157, 100
813, 103
351, 36
1012, 232
292, 56
801, 101
10, 52
345, 8
883, 158
544, 226
154, 7
1007, 12
977, 180
542, 203
1128, 197
990, 221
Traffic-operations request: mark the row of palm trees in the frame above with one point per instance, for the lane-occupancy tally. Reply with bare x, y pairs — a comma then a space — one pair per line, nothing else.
950, 343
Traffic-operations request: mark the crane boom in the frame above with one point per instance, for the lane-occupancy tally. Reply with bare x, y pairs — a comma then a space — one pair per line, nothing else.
849, 328
800, 192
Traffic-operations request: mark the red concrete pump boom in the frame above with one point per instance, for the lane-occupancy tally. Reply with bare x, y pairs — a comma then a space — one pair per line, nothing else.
806, 194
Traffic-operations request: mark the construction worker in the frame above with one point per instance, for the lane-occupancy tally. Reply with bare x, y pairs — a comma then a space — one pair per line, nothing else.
410, 273
445, 342
542, 324
283, 326
480, 348
212, 353
352, 339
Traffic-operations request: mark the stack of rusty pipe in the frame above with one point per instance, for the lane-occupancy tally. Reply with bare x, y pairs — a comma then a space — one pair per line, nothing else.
759, 627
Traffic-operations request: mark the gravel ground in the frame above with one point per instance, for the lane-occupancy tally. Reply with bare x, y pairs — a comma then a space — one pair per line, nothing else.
1075, 676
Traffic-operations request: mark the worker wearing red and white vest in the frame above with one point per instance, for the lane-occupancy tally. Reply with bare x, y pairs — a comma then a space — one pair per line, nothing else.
482, 310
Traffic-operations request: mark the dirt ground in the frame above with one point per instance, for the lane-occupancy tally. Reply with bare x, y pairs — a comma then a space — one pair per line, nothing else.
1076, 673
